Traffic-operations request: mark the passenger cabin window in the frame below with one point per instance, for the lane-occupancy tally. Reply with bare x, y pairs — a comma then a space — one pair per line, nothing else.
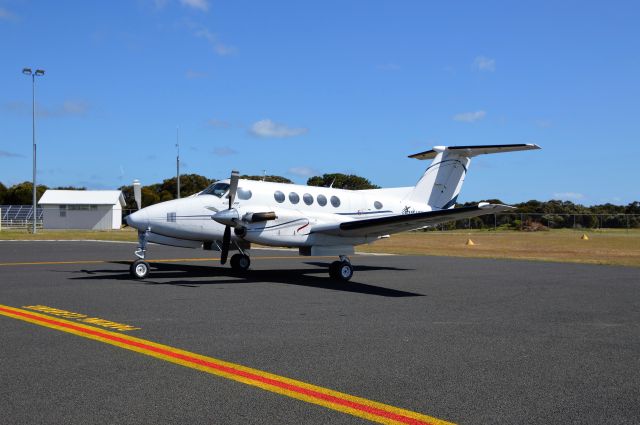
244, 193
171, 217
278, 196
307, 198
322, 200
216, 189
377, 204
335, 201
294, 198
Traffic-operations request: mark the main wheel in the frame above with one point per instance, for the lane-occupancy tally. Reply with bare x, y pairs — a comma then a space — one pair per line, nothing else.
139, 269
341, 270
240, 262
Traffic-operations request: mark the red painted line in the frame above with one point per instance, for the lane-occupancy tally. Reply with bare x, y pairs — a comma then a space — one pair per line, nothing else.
230, 370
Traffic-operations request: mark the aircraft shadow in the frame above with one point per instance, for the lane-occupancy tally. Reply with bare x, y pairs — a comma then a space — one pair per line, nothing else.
177, 273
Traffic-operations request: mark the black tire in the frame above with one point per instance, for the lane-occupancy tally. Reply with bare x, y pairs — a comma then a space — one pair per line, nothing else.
240, 262
139, 269
341, 270
345, 271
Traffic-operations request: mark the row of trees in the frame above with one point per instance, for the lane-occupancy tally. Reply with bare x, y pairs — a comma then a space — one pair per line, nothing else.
530, 214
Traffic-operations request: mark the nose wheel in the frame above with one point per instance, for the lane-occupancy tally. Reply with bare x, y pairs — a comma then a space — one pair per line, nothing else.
341, 270
139, 269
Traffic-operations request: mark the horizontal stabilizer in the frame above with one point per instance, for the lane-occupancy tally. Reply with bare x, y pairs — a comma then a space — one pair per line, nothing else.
471, 151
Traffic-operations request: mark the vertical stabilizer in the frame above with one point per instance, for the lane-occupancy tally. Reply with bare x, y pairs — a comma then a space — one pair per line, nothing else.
441, 183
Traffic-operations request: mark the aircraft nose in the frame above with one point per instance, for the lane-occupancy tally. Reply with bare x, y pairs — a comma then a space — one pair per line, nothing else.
138, 220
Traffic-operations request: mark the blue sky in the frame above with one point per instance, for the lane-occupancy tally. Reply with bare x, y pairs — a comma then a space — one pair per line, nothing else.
303, 88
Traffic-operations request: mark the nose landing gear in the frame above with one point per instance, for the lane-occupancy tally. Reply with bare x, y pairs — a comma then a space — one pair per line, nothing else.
139, 269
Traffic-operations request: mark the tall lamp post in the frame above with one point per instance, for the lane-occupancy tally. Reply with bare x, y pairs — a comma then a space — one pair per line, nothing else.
37, 73
178, 162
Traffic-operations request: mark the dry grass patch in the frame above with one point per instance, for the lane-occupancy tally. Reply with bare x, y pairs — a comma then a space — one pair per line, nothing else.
603, 247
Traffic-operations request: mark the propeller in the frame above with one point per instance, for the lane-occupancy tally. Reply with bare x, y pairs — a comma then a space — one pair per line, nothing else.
228, 217
231, 217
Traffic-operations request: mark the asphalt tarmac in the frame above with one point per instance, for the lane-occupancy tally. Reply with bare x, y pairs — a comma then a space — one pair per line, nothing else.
469, 341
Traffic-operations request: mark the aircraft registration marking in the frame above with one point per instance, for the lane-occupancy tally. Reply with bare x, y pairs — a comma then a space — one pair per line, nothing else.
345, 403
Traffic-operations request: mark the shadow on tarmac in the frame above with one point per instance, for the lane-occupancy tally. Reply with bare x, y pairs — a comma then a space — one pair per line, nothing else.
224, 275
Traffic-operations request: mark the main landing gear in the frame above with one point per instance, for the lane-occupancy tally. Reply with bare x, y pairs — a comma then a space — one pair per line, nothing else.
140, 268
240, 262
341, 270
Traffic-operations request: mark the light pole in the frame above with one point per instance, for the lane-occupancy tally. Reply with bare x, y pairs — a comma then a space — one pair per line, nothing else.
178, 161
38, 73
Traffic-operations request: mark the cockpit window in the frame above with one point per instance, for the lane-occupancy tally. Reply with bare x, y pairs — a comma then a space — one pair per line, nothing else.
216, 189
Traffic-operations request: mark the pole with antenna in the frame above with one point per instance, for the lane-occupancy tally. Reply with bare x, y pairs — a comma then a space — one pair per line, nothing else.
178, 161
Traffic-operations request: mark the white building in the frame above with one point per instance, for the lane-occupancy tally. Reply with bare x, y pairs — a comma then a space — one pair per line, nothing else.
82, 209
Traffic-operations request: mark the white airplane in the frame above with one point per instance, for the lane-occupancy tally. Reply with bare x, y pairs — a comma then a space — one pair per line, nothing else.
316, 220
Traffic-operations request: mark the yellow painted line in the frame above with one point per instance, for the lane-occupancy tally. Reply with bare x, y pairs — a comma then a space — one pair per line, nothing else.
345, 403
161, 260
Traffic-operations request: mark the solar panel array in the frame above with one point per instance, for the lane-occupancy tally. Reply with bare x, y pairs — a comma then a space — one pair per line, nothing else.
18, 215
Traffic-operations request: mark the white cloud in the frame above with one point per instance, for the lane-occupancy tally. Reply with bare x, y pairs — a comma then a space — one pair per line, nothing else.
218, 47
269, 129
66, 109
5, 14
568, 196
193, 75
543, 123
224, 151
202, 5
6, 154
303, 171
483, 63
470, 116
74, 107
388, 67
214, 122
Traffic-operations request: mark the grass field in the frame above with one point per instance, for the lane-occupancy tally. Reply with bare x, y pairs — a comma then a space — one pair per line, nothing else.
616, 247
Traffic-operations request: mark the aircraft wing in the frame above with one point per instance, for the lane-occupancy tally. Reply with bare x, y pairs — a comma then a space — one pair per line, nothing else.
402, 222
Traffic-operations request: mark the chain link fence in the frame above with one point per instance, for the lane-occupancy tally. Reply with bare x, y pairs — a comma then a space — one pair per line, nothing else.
18, 216
540, 221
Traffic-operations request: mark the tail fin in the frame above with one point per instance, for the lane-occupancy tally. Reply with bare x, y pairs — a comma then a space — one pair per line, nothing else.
442, 181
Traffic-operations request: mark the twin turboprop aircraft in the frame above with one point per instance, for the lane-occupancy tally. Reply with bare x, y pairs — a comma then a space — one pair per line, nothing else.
316, 220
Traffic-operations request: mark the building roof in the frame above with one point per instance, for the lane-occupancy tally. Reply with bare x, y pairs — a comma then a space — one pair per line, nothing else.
88, 197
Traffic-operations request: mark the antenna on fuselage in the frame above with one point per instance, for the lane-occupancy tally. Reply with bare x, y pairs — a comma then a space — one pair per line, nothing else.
264, 175
332, 182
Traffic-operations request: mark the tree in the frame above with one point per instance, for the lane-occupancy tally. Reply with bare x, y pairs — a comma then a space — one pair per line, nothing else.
22, 193
272, 178
341, 181
3, 193
149, 196
189, 184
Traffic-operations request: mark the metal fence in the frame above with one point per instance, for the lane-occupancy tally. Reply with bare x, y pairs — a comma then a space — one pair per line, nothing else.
541, 221
19, 216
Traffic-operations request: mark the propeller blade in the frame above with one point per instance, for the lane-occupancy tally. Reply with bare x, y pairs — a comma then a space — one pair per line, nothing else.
137, 193
226, 241
233, 187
